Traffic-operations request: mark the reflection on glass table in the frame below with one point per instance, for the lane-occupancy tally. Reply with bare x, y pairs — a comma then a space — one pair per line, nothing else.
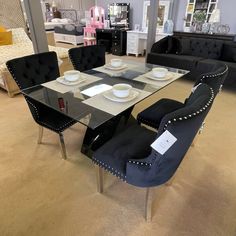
85, 102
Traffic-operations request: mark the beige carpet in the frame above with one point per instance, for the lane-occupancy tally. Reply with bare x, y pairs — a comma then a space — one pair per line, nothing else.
41, 194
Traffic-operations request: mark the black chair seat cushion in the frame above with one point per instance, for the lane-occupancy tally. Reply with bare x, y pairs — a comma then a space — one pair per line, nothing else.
133, 143
152, 115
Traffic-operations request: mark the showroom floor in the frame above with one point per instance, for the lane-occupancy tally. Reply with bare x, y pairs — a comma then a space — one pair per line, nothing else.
41, 194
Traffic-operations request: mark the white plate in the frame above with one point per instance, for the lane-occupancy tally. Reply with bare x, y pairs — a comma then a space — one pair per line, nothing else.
62, 80
110, 67
149, 75
109, 95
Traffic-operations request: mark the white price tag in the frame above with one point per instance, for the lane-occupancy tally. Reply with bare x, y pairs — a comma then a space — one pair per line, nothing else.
164, 142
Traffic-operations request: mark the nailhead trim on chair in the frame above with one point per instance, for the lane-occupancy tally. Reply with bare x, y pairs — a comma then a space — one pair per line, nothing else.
193, 114
35, 108
180, 119
13, 75
109, 169
216, 75
60, 129
152, 124
140, 163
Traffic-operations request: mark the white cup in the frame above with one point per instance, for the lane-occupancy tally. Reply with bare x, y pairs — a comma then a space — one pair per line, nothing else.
71, 75
121, 90
116, 62
159, 72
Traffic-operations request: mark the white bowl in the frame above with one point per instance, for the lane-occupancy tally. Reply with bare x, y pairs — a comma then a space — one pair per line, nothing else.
116, 62
71, 75
159, 72
121, 90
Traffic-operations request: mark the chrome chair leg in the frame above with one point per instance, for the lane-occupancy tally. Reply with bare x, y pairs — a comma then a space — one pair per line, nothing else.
40, 137
63, 147
195, 139
197, 136
148, 205
99, 177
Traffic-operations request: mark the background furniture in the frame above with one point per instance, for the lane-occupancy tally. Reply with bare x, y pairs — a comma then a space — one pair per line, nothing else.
113, 39
22, 46
118, 14
70, 32
193, 6
197, 54
33, 70
137, 41
130, 157
89, 36
97, 16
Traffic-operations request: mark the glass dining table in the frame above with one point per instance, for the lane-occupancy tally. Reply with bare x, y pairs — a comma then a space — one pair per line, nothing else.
91, 101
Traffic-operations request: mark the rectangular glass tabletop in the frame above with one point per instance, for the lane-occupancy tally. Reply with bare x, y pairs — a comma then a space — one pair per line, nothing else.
73, 101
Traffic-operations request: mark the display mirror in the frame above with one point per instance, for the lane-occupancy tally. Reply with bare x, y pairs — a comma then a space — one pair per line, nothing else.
118, 14
163, 14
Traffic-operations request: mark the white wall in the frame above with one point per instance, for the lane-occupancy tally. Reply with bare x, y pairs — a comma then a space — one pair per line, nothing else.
228, 16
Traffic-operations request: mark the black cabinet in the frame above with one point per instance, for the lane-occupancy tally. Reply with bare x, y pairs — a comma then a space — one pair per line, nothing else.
113, 39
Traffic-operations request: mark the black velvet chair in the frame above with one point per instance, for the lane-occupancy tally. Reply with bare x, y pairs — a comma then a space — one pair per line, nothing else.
153, 114
88, 57
34, 70
130, 157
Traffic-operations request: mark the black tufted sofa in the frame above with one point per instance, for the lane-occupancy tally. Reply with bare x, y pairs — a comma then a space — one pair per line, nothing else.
198, 55
87, 58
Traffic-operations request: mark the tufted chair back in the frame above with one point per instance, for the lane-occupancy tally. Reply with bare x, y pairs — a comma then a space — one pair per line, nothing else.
215, 79
184, 124
35, 69
87, 58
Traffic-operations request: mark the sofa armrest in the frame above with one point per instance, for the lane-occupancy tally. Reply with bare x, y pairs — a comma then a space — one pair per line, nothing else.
160, 46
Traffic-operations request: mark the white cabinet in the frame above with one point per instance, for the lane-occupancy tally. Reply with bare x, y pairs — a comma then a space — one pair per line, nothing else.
137, 41
134, 45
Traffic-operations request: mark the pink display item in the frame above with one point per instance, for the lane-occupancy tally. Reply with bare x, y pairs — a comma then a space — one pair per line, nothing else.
97, 15
89, 36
